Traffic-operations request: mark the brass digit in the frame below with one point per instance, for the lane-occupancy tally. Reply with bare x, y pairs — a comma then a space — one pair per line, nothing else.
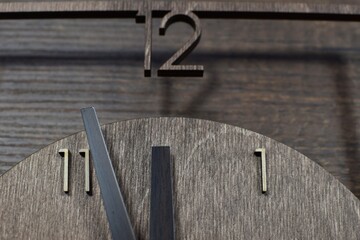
261, 152
65, 154
86, 154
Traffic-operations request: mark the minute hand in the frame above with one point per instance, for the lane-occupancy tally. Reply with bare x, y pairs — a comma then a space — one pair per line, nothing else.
117, 215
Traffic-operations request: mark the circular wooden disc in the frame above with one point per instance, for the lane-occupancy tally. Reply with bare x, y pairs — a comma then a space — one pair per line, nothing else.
217, 190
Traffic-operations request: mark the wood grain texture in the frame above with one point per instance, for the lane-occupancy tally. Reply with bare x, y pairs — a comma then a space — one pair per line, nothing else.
216, 187
158, 5
297, 82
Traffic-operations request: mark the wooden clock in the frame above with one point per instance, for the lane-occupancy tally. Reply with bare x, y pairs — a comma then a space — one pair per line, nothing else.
173, 178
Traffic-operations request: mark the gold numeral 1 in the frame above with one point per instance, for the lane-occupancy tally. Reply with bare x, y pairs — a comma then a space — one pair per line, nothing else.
261, 152
86, 154
65, 154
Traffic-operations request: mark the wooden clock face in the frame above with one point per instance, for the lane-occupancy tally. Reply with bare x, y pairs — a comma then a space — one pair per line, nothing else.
217, 187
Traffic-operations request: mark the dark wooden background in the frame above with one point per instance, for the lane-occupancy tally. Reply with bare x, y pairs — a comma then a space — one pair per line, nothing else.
295, 81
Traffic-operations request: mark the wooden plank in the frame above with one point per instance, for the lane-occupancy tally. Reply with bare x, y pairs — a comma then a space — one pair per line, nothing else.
205, 9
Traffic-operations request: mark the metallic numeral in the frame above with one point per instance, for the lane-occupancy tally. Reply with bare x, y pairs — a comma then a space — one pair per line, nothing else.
65, 154
261, 152
86, 154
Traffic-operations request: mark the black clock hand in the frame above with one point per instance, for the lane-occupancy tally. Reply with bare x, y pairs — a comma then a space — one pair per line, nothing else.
117, 215
161, 206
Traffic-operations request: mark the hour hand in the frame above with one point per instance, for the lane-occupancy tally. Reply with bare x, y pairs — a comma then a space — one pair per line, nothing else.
116, 212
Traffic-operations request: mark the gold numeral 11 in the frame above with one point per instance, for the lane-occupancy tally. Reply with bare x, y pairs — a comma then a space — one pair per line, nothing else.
65, 154
261, 152
86, 153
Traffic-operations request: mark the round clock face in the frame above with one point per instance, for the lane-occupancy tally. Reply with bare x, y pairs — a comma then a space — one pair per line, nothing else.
220, 188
